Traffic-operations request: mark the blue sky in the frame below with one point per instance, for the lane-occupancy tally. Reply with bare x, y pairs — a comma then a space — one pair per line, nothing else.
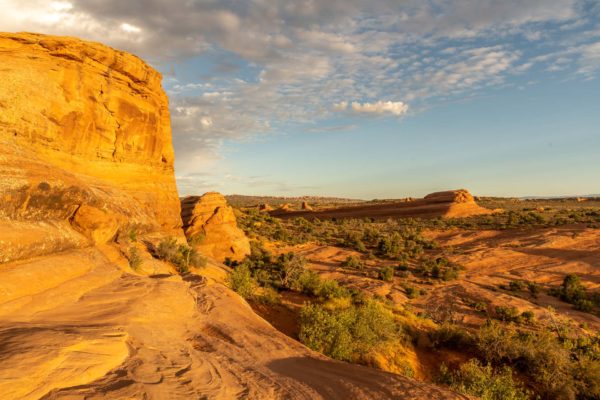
364, 99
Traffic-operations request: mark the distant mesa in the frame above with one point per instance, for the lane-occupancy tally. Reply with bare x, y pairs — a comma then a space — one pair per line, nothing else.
448, 204
211, 221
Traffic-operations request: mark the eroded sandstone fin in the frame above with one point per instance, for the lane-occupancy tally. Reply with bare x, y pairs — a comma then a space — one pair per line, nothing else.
211, 221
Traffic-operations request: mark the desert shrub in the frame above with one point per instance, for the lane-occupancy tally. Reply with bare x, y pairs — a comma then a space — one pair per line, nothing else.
168, 250
135, 261
308, 282
438, 268
527, 317
330, 289
411, 291
534, 289
539, 356
181, 256
584, 305
451, 336
516, 286
346, 333
268, 296
353, 262
507, 314
241, 281
484, 381
133, 235
572, 291
290, 266
386, 274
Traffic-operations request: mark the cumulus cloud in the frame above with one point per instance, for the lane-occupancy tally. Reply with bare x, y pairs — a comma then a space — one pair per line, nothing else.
396, 108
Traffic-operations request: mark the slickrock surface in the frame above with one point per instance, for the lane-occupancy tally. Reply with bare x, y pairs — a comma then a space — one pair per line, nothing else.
453, 203
214, 221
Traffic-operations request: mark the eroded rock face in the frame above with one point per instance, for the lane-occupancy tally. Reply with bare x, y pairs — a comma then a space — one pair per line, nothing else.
84, 136
451, 196
209, 219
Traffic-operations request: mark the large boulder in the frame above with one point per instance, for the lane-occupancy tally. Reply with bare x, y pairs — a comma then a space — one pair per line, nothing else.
210, 224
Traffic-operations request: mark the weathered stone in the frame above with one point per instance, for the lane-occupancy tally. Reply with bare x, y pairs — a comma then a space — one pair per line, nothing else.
83, 127
212, 222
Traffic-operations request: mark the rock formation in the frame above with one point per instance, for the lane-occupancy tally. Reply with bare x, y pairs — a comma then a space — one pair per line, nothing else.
85, 137
306, 206
213, 222
265, 207
453, 203
286, 207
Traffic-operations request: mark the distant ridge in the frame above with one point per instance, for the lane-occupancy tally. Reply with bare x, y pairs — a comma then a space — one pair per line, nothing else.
587, 196
239, 200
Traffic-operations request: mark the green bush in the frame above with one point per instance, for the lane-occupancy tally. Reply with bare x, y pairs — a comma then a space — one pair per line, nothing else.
347, 333
507, 314
180, 255
386, 274
516, 286
330, 289
135, 261
308, 282
241, 281
353, 262
527, 317
483, 381
411, 291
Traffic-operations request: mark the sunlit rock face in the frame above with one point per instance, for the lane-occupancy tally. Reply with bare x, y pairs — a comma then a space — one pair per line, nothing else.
85, 137
213, 222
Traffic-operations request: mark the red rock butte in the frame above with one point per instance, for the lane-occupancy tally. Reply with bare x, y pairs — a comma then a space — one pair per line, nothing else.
448, 204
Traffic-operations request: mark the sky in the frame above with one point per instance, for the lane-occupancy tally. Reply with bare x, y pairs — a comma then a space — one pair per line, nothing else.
362, 99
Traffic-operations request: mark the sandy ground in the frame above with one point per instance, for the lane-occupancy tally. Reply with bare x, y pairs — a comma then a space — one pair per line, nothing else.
74, 325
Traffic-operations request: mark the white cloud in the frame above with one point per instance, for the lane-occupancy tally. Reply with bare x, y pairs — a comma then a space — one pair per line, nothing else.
130, 28
590, 59
396, 108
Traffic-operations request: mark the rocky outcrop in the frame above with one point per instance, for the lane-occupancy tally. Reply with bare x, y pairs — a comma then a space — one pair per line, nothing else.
450, 196
85, 137
211, 225
265, 207
306, 206
448, 204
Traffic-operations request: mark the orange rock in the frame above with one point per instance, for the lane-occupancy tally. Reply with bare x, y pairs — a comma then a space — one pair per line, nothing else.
450, 196
212, 221
84, 127
265, 207
306, 206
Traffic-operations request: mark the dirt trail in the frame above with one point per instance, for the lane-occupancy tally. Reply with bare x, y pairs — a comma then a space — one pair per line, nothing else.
104, 334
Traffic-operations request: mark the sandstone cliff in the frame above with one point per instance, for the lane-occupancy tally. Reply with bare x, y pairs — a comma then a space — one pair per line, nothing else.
213, 222
85, 137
